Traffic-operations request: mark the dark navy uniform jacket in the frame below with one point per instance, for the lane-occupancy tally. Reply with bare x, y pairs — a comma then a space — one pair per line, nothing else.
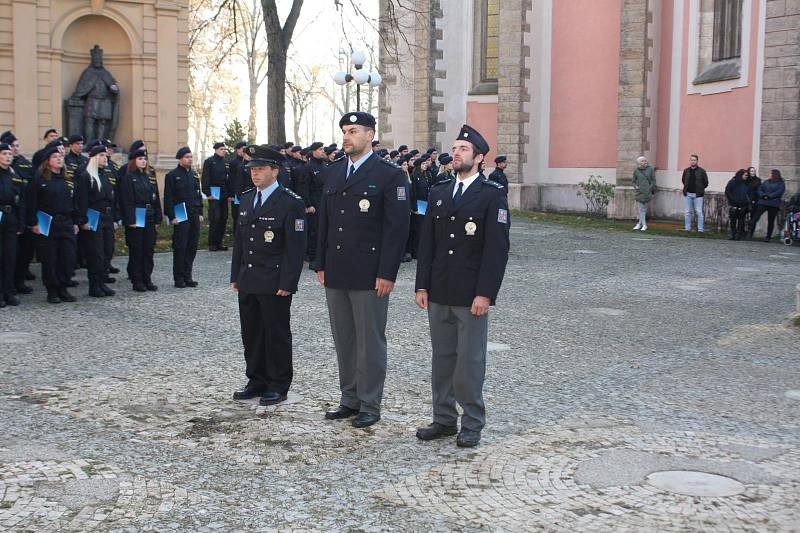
74, 164
463, 250
216, 173
54, 197
139, 189
363, 224
12, 200
102, 200
498, 175
182, 185
312, 182
270, 243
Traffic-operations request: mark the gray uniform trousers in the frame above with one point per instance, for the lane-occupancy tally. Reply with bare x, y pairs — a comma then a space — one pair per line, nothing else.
358, 324
458, 365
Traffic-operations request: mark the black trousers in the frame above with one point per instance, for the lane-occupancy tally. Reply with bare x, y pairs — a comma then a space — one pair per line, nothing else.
8, 255
415, 233
772, 212
737, 215
234, 214
26, 249
185, 237
217, 221
312, 222
80, 252
57, 254
97, 247
267, 340
141, 246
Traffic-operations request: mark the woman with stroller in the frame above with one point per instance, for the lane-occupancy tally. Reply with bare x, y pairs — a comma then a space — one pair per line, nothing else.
770, 193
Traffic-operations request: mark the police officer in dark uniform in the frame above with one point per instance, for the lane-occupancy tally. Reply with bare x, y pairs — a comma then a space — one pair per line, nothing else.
12, 224
265, 268
111, 171
236, 168
498, 174
138, 189
216, 173
95, 191
313, 184
74, 160
26, 242
363, 227
463, 253
50, 192
181, 186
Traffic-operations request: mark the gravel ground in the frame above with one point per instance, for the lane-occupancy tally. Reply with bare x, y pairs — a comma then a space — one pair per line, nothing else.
613, 356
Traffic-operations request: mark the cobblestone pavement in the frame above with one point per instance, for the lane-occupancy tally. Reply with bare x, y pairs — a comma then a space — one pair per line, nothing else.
614, 357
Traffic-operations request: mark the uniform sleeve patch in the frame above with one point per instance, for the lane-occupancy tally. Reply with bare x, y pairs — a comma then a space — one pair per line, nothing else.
299, 224
502, 216
401, 193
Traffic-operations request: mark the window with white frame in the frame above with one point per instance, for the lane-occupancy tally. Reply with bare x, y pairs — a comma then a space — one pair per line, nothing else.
720, 41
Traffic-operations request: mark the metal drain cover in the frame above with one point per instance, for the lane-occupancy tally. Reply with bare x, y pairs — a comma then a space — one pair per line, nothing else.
691, 483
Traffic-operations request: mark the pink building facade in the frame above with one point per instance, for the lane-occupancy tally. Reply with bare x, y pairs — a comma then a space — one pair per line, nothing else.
572, 88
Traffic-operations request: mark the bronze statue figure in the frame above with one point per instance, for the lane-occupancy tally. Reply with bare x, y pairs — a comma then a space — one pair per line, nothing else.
99, 92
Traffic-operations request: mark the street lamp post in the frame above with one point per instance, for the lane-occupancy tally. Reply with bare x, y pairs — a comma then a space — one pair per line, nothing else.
360, 76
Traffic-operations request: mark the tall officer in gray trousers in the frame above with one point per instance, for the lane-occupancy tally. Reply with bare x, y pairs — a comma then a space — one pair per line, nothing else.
462, 256
362, 232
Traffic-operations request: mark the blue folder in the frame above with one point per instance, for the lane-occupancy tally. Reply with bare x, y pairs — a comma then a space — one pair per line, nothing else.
422, 206
1, 216
94, 218
180, 212
141, 213
43, 220
215, 193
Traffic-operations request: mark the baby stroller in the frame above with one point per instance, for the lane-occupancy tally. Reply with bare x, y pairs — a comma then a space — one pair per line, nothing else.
791, 228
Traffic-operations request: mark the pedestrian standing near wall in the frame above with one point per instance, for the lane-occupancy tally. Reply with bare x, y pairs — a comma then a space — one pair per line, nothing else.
695, 182
770, 193
644, 183
738, 196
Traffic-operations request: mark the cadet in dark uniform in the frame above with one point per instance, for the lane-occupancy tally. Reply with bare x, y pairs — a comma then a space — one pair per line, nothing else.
363, 227
74, 161
26, 242
421, 184
265, 268
51, 193
463, 252
314, 183
112, 170
182, 186
216, 173
498, 174
236, 169
12, 224
95, 191
139, 189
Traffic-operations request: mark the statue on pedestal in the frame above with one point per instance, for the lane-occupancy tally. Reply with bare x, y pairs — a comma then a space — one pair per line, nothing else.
98, 91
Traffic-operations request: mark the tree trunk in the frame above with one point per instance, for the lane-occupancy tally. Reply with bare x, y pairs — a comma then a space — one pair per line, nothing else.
276, 97
252, 128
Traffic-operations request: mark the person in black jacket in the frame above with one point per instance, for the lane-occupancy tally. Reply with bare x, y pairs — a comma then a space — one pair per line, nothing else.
181, 186
463, 252
738, 196
26, 243
314, 183
421, 186
236, 170
12, 224
138, 190
216, 173
753, 183
363, 227
695, 181
51, 193
95, 191
269, 245
498, 175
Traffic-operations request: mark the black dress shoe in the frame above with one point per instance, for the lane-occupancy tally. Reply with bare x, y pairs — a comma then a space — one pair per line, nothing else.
138, 287
247, 393
113, 270
150, 287
212, 248
468, 438
340, 413
222, 248
72, 283
436, 431
364, 420
53, 298
271, 398
109, 279
24, 289
30, 276
180, 284
11, 300
96, 292
191, 283
2, 303
66, 296
109, 292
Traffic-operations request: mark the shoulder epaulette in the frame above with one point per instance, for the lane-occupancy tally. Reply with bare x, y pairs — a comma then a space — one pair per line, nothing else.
292, 193
248, 190
388, 162
448, 180
493, 184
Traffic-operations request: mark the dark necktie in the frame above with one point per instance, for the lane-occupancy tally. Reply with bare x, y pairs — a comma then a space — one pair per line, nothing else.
459, 192
352, 170
258, 200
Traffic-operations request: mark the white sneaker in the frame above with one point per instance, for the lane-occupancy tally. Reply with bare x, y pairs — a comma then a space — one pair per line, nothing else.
644, 228
638, 226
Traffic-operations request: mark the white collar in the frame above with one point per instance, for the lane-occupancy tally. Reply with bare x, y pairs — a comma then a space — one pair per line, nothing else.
467, 182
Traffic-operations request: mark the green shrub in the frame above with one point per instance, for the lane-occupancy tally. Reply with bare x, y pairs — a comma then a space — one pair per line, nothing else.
597, 194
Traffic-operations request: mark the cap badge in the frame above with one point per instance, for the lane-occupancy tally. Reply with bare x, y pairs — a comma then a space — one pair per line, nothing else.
353, 118
466, 134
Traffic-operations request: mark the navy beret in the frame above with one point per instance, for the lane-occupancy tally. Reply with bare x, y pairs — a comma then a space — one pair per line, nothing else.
357, 118
8, 137
136, 145
402, 147
48, 132
219, 145
97, 149
182, 152
442, 156
394, 153
315, 146
75, 139
296, 149
93, 143
375, 143
471, 135
287, 145
446, 160
329, 150
500, 159
413, 152
108, 143
240, 144
137, 153
48, 151
4, 147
